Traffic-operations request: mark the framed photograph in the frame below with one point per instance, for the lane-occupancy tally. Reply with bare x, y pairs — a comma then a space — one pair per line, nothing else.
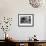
25, 20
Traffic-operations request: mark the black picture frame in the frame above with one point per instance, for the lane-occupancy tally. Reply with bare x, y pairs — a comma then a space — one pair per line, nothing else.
25, 20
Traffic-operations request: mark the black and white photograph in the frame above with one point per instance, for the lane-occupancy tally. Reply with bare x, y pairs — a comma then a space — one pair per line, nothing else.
25, 20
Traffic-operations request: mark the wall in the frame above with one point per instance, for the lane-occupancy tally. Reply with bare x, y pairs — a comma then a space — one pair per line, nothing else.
11, 8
